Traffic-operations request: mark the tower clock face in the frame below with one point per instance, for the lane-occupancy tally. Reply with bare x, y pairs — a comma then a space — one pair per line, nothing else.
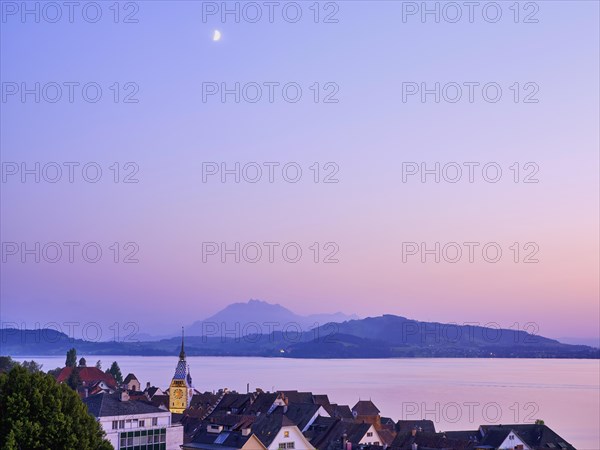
178, 393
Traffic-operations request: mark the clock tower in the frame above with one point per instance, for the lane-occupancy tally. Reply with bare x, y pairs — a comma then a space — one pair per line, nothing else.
181, 389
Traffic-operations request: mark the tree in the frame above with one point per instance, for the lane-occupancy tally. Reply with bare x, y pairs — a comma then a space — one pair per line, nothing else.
71, 358
32, 366
99, 364
54, 372
37, 413
115, 371
6, 363
74, 379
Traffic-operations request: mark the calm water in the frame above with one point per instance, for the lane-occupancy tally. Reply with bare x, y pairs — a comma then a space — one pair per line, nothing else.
454, 393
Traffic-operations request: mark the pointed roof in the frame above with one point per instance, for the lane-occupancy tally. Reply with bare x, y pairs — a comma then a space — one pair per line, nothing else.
129, 378
182, 352
365, 408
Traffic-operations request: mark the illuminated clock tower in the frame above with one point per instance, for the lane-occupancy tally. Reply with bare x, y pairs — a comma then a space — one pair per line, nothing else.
181, 388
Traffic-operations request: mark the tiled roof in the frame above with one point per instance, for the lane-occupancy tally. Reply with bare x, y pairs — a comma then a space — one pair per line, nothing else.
298, 397
301, 413
339, 411
327, 432
130, 377
535, 436
89, 375
267, 426
419, 425
101, 405
365, 408
181, 370
405, 440
261, 404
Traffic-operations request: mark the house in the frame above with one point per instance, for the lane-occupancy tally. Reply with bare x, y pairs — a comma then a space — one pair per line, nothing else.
212, 439
132, 424
90, 380
151, 391
520, 436
366, 411
304, 414
332, 433
131, 383
425, 440
276, 431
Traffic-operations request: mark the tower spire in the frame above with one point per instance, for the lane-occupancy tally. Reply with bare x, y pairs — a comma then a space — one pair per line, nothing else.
182, 352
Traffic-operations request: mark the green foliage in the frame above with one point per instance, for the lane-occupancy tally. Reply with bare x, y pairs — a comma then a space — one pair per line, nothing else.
54, 372
539, 422
32, 366
115, 371
6, 363
74, 379
37, 413
71, 360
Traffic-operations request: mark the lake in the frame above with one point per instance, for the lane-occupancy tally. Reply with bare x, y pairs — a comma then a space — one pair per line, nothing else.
455, 393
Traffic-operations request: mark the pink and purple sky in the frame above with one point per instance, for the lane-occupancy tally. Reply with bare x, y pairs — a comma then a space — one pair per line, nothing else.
369, 133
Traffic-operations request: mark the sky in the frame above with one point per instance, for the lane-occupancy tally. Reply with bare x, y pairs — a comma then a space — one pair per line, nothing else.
159, 151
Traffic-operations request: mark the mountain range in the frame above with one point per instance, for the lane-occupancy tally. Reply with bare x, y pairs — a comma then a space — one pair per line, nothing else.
258, 328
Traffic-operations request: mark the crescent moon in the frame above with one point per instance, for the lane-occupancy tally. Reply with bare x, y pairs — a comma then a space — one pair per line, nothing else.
216, 35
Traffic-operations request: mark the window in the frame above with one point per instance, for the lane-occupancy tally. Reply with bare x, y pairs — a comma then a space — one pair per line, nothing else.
282, 445
370, 434
154, 421
115, 424
142, 423
121, 424
290, 445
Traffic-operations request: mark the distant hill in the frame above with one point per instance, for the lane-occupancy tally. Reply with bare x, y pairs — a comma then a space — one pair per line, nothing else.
385, 336
259, 316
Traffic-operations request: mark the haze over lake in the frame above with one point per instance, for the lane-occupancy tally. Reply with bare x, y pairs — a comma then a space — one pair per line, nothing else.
454, 393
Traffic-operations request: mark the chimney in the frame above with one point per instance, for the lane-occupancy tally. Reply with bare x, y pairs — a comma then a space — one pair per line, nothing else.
414, 431
124, 396
147, 385
246, 431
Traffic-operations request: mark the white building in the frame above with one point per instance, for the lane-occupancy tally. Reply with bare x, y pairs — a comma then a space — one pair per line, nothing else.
133, 424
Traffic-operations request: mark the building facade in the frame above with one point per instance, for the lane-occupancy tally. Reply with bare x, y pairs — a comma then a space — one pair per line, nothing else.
134, 425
